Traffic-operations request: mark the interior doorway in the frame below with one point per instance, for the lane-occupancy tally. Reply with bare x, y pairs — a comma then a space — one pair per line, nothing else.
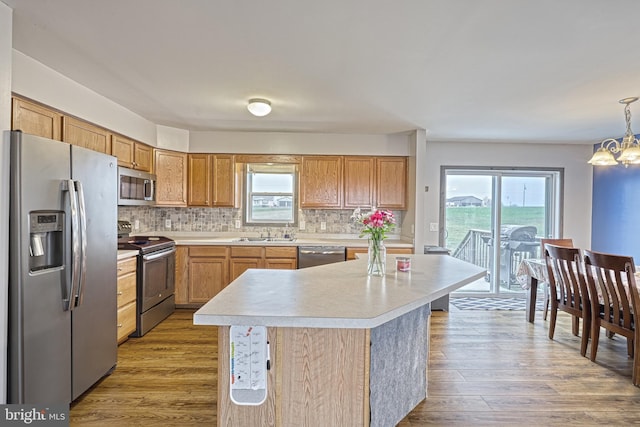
495, 218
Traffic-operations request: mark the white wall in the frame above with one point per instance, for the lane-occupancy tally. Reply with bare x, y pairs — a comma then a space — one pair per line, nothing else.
573, 158
43, 84
6, 17
299, 143
172, 138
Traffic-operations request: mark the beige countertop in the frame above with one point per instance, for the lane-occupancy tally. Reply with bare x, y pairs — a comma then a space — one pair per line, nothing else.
339, 295
213, 239
127, 253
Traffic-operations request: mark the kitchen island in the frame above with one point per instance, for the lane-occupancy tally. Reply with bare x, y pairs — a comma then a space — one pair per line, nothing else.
344, 348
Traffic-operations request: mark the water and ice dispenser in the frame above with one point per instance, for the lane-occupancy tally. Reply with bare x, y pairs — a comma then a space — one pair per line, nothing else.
46, 242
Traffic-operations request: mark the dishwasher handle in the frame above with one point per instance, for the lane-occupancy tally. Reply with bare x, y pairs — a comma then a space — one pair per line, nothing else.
319, 250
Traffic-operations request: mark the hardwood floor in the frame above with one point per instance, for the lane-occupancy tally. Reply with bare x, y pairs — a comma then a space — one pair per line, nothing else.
486, 368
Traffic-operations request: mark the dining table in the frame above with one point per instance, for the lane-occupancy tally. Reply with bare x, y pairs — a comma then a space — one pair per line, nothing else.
530, 273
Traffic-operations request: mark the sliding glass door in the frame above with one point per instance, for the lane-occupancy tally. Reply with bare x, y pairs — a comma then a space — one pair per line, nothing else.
495, 218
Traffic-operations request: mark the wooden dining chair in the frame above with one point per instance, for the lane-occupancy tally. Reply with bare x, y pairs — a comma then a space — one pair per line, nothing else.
568, 290
558, 242
614, 302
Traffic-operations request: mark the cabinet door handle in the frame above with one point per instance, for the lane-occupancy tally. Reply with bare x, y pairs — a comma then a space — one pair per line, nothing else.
119, 293
119, 325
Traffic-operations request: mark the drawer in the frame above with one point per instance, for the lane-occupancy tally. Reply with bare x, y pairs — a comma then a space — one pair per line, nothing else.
406, 251
126, 289
247, 251
208, 251
126, 321
281, 252
127, 265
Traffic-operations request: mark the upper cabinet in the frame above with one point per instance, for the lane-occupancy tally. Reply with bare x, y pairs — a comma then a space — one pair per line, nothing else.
36, 119
131, 154
224, 180
171, 178
353, 181
142, 157
321, 182
211, 180
200, 177
359, 181
391, 182
85, 134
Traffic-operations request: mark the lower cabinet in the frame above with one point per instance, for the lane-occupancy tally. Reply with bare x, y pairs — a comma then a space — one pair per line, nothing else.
126, 298
208, 272
203, 271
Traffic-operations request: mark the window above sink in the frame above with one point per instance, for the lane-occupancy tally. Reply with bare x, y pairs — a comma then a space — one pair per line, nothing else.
270, 194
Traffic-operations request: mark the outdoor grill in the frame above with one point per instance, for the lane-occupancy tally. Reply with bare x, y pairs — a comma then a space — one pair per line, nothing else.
517, 242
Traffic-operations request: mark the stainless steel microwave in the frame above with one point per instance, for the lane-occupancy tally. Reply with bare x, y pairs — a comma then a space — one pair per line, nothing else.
136, 187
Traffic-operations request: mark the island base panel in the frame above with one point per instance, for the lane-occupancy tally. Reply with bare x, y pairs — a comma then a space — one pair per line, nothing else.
316, 374
398, 378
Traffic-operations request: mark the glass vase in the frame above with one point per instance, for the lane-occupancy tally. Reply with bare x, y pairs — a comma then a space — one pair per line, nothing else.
376, 265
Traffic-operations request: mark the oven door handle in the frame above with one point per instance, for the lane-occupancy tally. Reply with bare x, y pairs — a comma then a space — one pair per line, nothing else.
157, 255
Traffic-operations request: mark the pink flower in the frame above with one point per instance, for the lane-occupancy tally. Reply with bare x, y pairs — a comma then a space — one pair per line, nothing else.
376, 223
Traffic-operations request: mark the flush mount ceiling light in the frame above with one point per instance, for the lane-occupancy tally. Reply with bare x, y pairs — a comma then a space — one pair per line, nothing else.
259, 107
629, 148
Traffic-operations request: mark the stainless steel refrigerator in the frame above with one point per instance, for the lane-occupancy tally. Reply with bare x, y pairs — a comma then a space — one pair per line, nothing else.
62, 274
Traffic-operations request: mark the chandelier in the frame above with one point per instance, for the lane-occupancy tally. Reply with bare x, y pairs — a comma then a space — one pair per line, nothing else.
629, 148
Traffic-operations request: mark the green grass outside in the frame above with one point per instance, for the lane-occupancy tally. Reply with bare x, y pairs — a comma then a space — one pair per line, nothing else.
460, 220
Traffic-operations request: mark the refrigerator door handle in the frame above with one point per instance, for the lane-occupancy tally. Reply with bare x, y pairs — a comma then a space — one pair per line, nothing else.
69, 302
82, 215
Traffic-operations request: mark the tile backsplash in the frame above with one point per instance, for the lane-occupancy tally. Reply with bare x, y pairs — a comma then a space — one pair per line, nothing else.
212, 220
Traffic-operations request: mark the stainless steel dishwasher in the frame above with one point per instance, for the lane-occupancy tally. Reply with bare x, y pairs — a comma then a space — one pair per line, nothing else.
309, 256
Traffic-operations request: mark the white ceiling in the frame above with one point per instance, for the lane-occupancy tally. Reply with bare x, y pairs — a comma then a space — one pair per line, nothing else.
497, 70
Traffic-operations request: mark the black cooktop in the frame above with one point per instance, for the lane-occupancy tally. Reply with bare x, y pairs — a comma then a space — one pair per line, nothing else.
145, 244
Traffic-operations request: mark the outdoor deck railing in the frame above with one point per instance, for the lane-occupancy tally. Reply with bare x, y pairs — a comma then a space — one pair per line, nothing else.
475, 248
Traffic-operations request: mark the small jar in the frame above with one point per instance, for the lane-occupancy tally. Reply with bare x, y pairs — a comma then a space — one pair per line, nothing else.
403, 263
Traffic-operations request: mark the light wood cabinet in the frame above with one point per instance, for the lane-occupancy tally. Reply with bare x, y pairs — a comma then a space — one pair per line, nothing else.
171, 178
143, 157
211, 180
200, 180
391, 182
208, 272
271, 257
131, 154
359, 181
321, 182
351, 252
244, 258
36, 119
224, 179
84, 134
351, 181
203, 271
281, 257
182, 275
126, 298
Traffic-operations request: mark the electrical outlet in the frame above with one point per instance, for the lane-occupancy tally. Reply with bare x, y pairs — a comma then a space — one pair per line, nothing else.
238, 223
433, 226
323, 225
136, 224
301, 225
167, 223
